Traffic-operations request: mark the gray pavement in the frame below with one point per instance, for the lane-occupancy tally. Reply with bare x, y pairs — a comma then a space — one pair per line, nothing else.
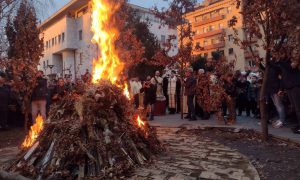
243, 122
189, 157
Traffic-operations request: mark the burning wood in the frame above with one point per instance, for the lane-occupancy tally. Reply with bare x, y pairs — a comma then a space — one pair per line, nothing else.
34, 132
94, 135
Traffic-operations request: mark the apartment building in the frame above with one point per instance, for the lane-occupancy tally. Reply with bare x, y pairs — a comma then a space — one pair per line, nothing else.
67, 39
210, 23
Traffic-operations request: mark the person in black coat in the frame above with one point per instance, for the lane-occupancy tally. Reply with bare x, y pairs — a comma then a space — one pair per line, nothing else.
190, 92
150, 96
39, 97
4, 102
273, 88
60, 90
242, 88
178, 95
291, 83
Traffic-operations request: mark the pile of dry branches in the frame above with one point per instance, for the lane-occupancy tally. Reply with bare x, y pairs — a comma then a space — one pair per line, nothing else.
93, 136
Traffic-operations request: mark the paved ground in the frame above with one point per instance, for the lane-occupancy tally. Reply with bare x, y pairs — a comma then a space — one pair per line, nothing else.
190, 158
242, 122
7, 155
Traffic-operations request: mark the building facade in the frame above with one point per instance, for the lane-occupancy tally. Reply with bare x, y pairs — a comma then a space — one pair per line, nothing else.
68, 50
210, 21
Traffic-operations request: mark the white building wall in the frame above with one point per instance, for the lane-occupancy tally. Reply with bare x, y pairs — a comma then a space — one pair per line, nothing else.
74, 56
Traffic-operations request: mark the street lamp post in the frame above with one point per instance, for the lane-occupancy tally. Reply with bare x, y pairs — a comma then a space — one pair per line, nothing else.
51, 67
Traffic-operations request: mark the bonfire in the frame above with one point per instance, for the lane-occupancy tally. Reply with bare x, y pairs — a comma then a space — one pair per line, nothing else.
94, 134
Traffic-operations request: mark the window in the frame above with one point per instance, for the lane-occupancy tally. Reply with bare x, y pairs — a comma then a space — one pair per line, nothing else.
44, 64
55, 40
197, 45
229, 9
222, 11
230, 37
205, 43
63, 37
80, 35
198, 18
252, 63
80, 58
163, 38
213, 41
52, 41
47, 62
205, 54
59, 38
46, 44
220, 26
230, 50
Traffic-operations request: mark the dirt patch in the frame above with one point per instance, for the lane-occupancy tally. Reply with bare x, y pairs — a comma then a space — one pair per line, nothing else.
274, 160
11, 138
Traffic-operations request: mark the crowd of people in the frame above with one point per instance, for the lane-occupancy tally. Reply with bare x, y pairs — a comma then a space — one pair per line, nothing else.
241, 96
204, 92
45, 93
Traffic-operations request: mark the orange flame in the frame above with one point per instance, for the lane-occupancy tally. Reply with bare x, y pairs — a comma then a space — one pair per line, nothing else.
126, 91
140, 122
34, 132
108, 66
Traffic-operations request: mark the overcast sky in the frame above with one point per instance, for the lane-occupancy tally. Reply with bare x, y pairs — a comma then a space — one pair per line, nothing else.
144, 3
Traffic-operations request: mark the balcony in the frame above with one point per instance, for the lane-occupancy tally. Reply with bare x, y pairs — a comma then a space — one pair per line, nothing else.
253, 40
210, 47
249, 55
210, 20
211, 33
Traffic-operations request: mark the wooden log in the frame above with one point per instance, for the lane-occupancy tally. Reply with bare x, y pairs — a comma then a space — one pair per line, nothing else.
91, 157
9, 176
81, 172
128, 157
138, 154
48, 154
46, 159
31, 150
